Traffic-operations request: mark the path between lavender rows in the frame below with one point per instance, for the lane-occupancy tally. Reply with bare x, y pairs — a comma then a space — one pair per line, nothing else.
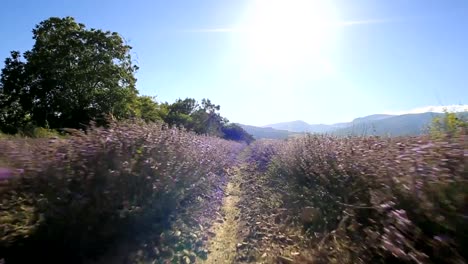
241, 221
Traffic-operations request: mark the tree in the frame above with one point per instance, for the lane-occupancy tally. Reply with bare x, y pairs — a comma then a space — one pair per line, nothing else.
71, 76
149, 110
236, 133
450, 124
13, 99
202, 118
207, 120
179, 113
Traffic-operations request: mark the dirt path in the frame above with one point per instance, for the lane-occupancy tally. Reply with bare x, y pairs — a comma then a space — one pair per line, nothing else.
222, 247
244, 219
255, 224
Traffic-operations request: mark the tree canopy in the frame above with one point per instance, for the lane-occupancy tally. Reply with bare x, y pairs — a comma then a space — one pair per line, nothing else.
203, 118
71, 75
74, 75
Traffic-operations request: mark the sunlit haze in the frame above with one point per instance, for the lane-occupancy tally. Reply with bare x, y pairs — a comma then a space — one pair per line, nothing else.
268, 61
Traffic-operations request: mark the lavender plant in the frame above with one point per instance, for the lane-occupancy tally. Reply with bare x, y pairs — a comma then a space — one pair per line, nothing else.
72, 196
381, 199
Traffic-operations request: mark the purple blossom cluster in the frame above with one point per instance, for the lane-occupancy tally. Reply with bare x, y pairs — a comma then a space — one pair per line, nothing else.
386, 199
79, 192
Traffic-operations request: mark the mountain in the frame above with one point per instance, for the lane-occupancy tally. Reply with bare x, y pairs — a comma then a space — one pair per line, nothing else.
380, 125
294, 126
267, 132
301, 126
370, 118
402, 125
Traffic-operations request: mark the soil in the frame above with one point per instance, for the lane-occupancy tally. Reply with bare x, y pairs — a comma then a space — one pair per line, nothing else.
242, 220
223, 246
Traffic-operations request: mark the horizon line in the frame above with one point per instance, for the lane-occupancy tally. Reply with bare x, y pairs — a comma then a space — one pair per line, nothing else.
419, 110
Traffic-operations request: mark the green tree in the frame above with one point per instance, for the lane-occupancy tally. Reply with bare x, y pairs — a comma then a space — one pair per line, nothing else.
202, 118
14, 101
180, 113
71, 76
236, 133
450, 124
207, 120
149, 110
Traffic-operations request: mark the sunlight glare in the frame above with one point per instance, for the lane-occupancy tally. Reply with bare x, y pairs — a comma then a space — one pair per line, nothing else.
289, 33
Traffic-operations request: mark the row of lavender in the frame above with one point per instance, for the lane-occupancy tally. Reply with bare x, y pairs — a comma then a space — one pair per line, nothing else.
73, 196
373, 200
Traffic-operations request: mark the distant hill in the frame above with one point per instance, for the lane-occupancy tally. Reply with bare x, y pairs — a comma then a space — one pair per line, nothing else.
267, 132
380, 125
402, 125
370, 118
301, 126
294, 126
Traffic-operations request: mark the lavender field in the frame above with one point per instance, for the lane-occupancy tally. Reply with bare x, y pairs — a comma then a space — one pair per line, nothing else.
145, 193
342, 136
69, 198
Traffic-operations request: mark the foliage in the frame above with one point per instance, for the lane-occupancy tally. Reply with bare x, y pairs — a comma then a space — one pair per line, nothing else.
380, 200
71, 76
149, 110
179, 113
207, 120
202, 118
236, 133
81, 192
449, 124
39, 132
14, 101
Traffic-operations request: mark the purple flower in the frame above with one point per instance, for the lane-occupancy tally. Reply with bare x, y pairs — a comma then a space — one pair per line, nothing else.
5, 174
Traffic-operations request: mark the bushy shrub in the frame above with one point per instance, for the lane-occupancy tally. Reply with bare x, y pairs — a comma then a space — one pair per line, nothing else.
74, 195
382, 199
262, 152
450, 123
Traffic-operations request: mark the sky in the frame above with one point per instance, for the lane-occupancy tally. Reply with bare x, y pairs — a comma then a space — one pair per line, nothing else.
269, 61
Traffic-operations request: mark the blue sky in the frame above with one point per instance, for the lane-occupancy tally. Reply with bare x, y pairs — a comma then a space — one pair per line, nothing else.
267, 61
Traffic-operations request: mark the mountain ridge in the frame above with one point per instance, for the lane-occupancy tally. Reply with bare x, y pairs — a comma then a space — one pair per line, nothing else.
376, 124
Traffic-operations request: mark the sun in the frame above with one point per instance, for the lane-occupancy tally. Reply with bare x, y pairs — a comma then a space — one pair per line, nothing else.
287, 33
